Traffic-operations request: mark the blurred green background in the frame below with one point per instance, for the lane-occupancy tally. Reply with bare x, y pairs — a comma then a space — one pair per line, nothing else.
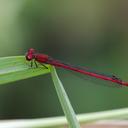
92, 33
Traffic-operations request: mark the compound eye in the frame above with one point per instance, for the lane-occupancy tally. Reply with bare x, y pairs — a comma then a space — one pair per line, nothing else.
29, 57
31, 50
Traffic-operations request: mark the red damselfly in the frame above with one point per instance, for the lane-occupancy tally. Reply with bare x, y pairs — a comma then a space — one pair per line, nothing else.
45, 59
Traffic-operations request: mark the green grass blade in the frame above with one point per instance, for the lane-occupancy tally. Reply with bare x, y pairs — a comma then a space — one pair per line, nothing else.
17, 68
60, 122
65, 103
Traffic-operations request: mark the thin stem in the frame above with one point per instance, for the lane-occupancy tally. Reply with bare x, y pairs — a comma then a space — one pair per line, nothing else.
65, 103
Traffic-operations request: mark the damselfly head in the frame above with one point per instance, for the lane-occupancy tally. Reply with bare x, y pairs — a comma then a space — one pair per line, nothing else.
30, 54
31, 50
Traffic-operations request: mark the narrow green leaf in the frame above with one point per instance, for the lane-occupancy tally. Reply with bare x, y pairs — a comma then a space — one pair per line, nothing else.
65, 103
17, 68
60, 122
